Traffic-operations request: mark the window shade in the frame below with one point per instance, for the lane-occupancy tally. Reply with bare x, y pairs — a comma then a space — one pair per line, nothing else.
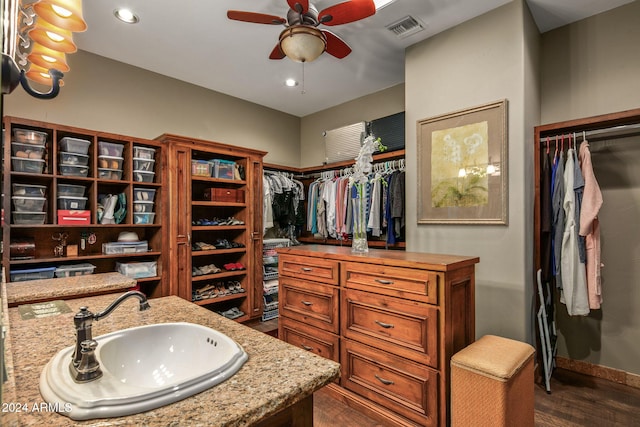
343, 143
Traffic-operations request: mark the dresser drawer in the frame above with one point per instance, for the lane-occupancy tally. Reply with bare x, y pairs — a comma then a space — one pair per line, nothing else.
414, 284
307, 337
316, 269
406, 328
405, 387
310, 303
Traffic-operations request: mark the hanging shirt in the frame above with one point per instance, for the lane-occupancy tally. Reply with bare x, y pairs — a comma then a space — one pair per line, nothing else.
374, 214
574, 282
557, 200
267, 206
590, 227
578, 188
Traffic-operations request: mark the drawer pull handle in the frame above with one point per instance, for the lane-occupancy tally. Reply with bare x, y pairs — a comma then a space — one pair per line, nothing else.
306, 347
384, 282
384, 325
307, 303
383, 381
307, 269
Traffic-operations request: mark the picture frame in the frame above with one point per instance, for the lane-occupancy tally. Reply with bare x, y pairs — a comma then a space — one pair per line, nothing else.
463, 166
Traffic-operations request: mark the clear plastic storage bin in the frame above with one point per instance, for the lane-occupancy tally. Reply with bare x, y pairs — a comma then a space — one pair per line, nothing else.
74, 159
110, 149
144, 194
28, 204
29, 136
27, 151
142, 207
137, 270
75, 145
72, 203
110, 162
69, 190
114, 174
143, 164
74, 270
143, 218
224, 169
20, 164
32, 274
144, 153
29, 190
143, 176
74, 170
125, 247
29, 218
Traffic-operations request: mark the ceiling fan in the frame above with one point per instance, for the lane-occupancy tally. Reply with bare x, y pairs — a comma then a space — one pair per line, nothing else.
301, 40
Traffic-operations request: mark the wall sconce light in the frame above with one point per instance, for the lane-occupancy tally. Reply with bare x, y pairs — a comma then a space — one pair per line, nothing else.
43, 43
65, 14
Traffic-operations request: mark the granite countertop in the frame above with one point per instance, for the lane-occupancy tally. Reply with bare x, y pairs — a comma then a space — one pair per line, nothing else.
66, 287
276, 375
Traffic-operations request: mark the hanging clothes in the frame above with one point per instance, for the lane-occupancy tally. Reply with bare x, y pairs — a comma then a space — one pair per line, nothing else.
558, 217
590, 227
574, 284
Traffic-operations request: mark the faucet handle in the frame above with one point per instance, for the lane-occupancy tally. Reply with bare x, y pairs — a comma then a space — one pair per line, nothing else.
88, 369
88, 346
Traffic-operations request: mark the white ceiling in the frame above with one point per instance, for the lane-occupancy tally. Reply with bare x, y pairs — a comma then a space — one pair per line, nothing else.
193, 41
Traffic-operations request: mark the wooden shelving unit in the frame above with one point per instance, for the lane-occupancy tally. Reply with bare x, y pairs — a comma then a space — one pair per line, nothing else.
53, 174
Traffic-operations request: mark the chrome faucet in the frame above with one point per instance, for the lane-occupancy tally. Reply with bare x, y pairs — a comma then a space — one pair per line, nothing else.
84, 366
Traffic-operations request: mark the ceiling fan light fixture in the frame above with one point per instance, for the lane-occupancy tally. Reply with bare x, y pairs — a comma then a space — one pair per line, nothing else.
291, 83
302, 43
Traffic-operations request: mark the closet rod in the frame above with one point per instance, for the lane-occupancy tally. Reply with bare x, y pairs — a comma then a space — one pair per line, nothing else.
597, 134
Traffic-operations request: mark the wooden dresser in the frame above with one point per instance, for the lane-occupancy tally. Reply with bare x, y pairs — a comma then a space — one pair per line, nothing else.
392, 319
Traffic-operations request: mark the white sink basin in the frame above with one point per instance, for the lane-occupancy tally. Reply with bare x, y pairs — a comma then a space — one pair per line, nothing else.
143, 368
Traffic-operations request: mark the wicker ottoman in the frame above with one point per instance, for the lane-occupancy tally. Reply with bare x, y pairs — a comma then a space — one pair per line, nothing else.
492, 384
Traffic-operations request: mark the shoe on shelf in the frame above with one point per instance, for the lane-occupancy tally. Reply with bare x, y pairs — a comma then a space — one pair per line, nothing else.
239, 266
230, 266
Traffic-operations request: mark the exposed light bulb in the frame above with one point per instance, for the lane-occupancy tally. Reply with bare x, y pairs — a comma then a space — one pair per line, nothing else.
291, 83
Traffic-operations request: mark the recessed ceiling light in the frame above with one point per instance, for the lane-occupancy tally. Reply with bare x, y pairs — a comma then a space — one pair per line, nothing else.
291, 83
126, 15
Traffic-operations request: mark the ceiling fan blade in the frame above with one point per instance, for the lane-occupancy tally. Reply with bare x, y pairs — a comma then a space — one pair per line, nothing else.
335, 45
300, 6
256, 18
277, 53
348, 11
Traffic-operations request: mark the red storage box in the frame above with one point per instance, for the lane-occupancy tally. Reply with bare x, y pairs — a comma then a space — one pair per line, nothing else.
224, 195
67, 217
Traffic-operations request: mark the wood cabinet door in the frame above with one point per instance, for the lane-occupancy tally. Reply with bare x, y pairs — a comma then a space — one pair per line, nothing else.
180, 221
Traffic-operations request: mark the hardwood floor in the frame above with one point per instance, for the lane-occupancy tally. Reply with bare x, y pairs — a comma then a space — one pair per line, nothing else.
575, 400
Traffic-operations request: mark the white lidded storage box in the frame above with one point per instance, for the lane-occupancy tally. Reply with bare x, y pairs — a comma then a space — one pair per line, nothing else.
75, 145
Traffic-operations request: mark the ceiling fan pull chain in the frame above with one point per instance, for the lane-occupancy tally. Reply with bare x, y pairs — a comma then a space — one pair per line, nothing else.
303, 90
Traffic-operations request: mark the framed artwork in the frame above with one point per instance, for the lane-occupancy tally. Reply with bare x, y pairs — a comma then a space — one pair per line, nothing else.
462, 166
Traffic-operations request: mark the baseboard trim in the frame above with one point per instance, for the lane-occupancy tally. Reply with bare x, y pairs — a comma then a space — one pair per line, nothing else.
599, 371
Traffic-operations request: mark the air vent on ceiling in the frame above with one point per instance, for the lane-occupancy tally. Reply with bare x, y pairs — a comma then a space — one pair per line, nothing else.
405, 27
